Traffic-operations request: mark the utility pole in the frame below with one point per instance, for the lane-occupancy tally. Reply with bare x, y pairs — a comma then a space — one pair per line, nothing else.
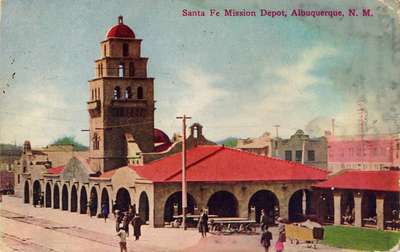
363, 118
276, 130
184, 192
333, 126
303, 151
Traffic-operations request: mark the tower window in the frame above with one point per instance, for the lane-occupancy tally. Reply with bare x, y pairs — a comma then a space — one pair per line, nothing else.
121, 70
131, 69
140, 93
105, 50
125, 50
92, 94
98, 94
100, 70
117, 93
128, 93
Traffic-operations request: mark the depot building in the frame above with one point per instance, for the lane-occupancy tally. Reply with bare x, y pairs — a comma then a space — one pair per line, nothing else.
228, 182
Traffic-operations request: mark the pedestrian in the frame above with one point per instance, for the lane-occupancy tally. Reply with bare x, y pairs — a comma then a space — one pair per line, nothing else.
266, 238
122, 239
137, 223
279, 246
203, 223
263, 220
104, 211
131, 213
118, 220
132, 210
125, 223
281, 230
114, 208
42, 200
90, 204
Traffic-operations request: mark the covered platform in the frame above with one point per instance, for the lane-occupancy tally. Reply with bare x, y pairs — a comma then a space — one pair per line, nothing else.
361, 198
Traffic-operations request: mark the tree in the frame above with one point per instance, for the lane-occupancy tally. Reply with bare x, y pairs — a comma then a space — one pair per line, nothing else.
70, 140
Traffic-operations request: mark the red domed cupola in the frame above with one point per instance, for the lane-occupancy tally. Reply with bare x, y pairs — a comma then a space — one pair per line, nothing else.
120, 30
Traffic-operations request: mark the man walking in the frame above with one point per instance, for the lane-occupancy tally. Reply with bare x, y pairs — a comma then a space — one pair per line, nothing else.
263, 220
266, 238
137, 223
203, 223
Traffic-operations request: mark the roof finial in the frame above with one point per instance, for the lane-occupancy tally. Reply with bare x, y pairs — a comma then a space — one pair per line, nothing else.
120, 20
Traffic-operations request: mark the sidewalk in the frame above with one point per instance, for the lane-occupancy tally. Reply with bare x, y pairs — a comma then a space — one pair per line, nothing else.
162, 239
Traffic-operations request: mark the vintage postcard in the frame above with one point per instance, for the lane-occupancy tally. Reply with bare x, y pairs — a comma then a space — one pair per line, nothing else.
202, 125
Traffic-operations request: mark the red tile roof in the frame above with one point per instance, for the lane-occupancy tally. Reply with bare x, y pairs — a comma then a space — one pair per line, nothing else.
107, 174
55, 170
221, 164
364, 180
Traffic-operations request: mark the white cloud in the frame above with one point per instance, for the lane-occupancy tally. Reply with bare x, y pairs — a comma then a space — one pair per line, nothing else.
286, 94
293, 82
200, 91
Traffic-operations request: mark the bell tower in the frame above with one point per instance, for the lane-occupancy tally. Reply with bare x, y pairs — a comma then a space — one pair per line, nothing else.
121, 100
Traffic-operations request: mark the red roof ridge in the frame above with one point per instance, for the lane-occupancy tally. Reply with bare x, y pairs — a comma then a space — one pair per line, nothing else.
371, 171
363, 180
197, 161
340, 172
173, 155
277, 159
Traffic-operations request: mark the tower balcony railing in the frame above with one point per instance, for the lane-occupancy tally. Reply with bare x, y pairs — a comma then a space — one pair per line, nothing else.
129, 102
93, 105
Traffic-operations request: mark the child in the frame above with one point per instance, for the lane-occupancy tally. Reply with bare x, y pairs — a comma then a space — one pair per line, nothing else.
122, 243
266, 238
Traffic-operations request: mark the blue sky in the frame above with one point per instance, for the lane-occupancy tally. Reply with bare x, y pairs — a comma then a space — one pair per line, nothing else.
238, 76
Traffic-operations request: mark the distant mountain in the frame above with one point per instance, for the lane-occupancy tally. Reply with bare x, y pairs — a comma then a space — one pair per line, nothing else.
229, 141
